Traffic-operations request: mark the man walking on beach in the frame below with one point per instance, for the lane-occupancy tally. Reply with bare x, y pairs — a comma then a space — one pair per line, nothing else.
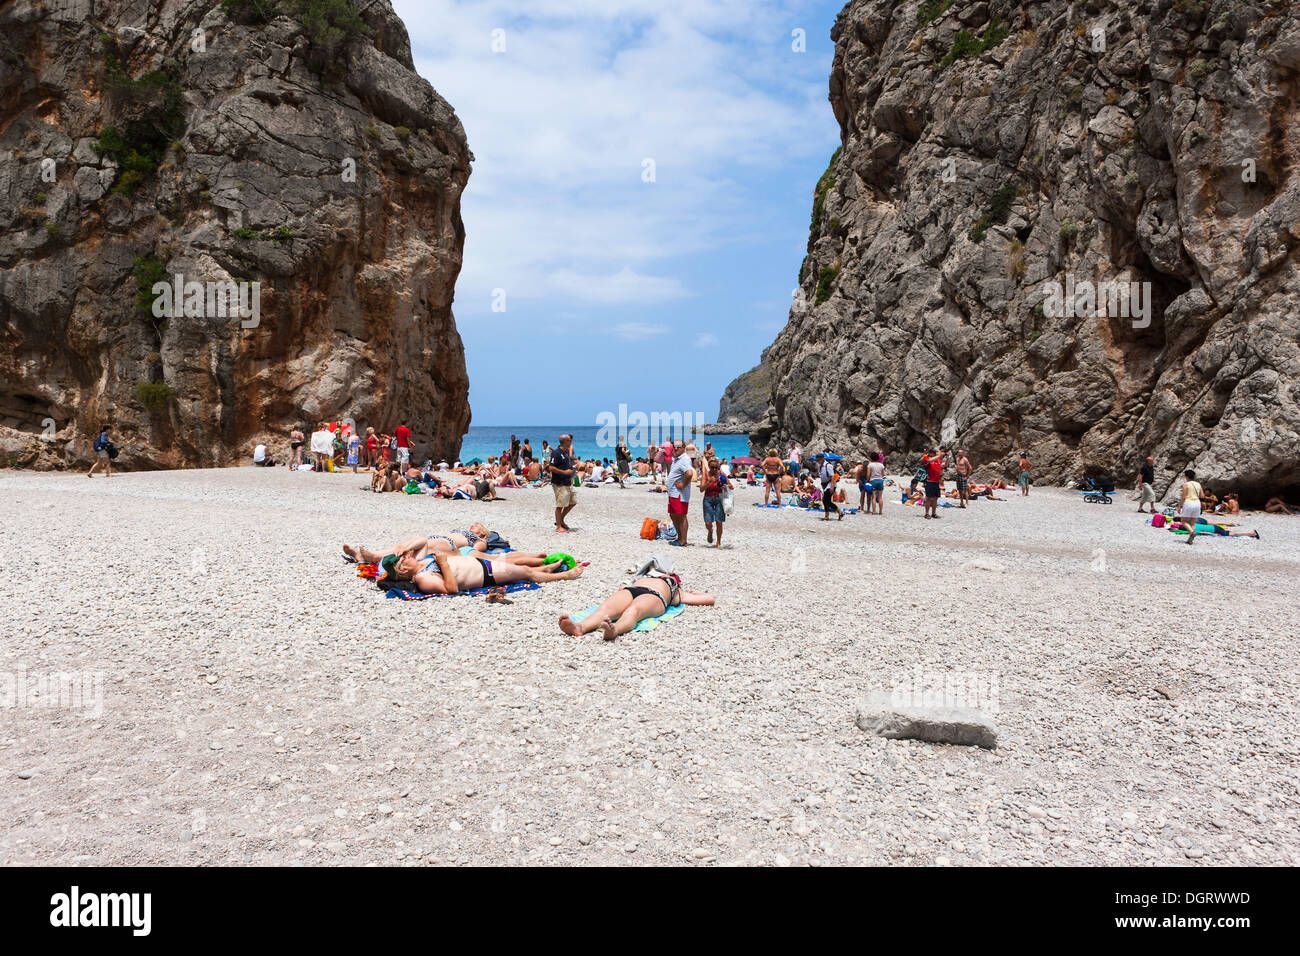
1146, 485
561, 469
680, 475
403, 439
963, 469
1024, 479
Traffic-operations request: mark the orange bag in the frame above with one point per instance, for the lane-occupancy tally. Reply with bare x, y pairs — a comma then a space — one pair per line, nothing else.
649, 529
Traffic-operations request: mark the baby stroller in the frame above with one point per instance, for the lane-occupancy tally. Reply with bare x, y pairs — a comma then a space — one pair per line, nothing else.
1098, 490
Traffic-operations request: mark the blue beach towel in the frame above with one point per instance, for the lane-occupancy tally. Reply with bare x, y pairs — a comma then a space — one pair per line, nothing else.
649, 624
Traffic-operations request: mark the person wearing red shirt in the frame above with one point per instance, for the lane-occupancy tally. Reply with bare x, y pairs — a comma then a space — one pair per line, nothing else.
933, 463
403, 436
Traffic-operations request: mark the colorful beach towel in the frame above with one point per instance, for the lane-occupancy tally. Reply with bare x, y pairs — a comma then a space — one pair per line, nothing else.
649, 624
407, 591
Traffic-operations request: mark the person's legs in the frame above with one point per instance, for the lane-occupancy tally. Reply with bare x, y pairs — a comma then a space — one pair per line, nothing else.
647, 605
510, 573
719, 532
612, 607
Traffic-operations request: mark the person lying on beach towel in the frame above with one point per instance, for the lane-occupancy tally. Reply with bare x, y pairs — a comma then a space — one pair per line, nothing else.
645, 597
470, 489
1192, 528
476, 536
441, 573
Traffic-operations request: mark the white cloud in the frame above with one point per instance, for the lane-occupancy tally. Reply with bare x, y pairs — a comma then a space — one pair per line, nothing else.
705, 340
624, 287
638, 331
560, 123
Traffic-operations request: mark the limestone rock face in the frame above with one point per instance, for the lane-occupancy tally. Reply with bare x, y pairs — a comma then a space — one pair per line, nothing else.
992, 148
330, 175
744, 404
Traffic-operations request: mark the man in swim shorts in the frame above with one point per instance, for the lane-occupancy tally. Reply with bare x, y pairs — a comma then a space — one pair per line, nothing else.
963, 468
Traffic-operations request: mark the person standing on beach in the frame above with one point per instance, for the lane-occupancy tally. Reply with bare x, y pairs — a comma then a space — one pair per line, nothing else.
963, 469
794, 458
713, 483
1024, 480
933, 475
622, 462
296, 438
526, 453
680, 476
403, 438
1146, 485
354, 450
773, 469
826, 475
562, 471
876, 472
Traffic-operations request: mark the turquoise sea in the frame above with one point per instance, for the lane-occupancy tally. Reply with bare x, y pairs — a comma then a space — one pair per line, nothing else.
482, 441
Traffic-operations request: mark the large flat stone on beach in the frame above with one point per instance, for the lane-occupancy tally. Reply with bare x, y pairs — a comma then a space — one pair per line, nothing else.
879, 714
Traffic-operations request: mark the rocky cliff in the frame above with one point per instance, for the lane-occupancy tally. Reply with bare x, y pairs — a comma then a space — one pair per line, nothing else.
744, 403
991, 149
224, 143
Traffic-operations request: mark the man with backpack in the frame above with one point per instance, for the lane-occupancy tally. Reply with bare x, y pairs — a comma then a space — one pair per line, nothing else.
105, 452
826, 475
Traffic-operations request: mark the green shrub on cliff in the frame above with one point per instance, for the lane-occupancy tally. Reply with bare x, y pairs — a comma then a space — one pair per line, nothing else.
824, 282
148, 118
824, 185
931, 10
155, 396
996, 212
146, 273
966, 44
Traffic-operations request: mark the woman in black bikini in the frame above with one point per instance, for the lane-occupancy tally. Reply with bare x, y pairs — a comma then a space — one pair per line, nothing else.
473, 537
643, 598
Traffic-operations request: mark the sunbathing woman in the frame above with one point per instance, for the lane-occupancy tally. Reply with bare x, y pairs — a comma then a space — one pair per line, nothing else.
475, 489
475, 536
1276, 506
386, 478
505, 478
450, 574
643, 598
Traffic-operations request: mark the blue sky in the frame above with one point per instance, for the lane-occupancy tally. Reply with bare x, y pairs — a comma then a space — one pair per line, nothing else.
618, 290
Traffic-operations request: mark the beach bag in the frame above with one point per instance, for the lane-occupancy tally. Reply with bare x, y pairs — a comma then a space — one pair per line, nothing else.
728, 501
1157, 521
649, 528
112, 451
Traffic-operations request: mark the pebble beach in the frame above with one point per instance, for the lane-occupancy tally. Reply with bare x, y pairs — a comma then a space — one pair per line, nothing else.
254, 702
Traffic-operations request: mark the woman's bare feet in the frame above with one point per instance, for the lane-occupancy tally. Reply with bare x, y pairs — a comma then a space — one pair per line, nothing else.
607, 629
567, 625
574, 572
351, 552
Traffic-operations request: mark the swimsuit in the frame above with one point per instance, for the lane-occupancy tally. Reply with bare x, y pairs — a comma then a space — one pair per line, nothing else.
489, 580
470, 536
674, 592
